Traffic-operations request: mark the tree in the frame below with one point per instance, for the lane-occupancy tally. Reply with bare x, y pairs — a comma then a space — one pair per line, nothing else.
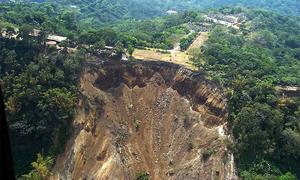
99, 45
265, 38
130, 50
25, 30
87, 37
287, 176
108, 35
10, 31
69, 18
58, 103
41, 168
255, 129
261, 170
143, 176
119, 48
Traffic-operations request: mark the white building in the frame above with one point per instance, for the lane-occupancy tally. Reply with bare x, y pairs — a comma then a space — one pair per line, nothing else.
170, 12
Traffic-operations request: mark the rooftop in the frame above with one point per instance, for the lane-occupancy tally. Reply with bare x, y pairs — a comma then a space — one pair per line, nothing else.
35, 33
56, 38
171, 12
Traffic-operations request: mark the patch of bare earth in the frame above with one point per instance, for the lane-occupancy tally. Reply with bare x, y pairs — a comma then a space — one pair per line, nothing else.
150, 117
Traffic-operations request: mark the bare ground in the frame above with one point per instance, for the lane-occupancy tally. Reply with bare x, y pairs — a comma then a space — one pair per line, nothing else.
150, 117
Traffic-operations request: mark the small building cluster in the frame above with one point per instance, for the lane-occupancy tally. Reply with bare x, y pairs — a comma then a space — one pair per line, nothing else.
51, 40
226, 20
55, 40
6, 34
35, 33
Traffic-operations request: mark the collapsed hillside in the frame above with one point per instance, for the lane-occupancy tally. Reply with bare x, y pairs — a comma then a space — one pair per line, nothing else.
151, 117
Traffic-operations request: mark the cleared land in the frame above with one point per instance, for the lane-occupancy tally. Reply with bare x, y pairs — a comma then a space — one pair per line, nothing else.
174, 56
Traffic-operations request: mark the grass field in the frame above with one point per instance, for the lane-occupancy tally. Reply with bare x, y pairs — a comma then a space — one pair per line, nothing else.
151, 54
173, 56
176, 57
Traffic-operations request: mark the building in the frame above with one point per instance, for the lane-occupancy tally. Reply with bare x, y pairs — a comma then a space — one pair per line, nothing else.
51, 43
170, 12
35, 33
55, 38
108, 47
10, 35
289, 91
225, 20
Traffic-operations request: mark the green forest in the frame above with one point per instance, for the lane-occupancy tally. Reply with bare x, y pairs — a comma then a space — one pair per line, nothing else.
41, 84
250, 64
98, 13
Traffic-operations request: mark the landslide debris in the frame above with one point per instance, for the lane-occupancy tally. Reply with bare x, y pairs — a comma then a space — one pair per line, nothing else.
154, 118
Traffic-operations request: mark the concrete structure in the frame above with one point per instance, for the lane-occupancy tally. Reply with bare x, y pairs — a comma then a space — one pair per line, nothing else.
35, 33
56, 38
170, 12
225, 20
289, 91
108, 47
49, 43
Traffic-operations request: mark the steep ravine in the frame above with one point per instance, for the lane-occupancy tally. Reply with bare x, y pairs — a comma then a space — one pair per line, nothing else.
152, 117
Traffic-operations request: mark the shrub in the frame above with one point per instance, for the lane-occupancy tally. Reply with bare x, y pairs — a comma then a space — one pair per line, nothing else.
206, 153
143, 176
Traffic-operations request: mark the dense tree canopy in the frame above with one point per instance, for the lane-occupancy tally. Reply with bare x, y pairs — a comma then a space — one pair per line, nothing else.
40, 83
250, 63
40, 95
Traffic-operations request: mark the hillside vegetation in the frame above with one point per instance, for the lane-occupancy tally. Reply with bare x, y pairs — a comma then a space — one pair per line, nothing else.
249, 63
96, 13
41, 83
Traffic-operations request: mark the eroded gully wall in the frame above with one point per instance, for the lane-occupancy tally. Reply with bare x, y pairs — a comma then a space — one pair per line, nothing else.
150, 117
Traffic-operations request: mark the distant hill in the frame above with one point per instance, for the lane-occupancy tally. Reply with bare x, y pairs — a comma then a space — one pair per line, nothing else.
149, 8
99, 12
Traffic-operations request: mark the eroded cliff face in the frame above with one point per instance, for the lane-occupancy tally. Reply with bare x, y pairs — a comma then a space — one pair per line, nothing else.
149, 117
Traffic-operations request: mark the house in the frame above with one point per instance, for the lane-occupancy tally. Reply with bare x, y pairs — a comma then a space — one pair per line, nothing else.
171, 12
51, 43
57, 39
10, 35
226, 20
229, 19
54, 40
290, 91
35, 33
289, 88
108, 47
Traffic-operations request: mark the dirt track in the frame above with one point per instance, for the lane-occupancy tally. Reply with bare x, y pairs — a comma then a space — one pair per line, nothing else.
199, 41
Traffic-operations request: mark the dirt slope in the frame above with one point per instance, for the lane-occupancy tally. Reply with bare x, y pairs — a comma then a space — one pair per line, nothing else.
147, 117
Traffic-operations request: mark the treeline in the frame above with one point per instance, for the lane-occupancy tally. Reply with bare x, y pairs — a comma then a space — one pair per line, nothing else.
249, 64
46, 17
101, 12
186, 42
159, 33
